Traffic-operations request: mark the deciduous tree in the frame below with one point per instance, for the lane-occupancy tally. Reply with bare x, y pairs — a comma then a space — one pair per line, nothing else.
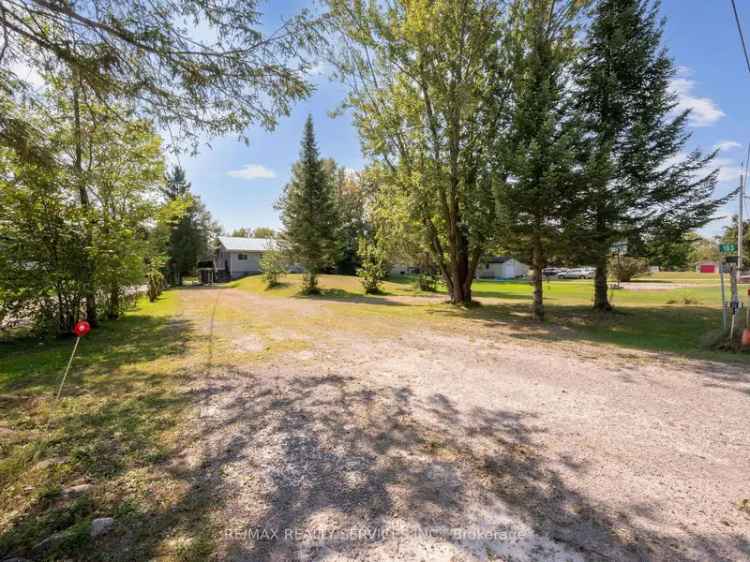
420, 77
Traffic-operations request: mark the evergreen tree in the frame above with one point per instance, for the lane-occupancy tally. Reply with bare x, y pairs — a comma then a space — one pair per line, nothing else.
535, 202
190, 235
232, 75
633, 139
674, 254
308, 213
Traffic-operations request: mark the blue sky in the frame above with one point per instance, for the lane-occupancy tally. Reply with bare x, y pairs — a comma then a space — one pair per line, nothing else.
240, 183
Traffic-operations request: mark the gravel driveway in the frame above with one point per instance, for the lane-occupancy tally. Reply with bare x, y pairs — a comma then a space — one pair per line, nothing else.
386, 437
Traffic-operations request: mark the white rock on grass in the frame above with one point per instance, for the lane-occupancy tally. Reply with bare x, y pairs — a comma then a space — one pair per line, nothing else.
101, 525
78, 490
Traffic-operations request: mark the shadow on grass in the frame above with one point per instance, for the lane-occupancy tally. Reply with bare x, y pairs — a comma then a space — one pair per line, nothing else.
342, 295
665, 330
313, 453
505, 295
38, 363
111, 433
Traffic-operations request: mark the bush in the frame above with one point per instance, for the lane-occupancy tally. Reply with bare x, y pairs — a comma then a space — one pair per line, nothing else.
310, 283
373, 269
273, 263
624, 268
155, 281
427, 281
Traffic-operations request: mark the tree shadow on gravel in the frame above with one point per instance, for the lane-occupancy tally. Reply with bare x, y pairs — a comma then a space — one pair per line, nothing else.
318, 466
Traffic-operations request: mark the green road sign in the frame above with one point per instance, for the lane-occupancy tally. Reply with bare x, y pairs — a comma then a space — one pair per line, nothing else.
727, 248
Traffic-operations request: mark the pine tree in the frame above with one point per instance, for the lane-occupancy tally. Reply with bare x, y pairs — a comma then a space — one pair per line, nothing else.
633, 138
308, 213
538, 197
189, 237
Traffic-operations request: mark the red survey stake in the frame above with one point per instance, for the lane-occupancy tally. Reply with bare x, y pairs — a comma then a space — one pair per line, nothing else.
80, 329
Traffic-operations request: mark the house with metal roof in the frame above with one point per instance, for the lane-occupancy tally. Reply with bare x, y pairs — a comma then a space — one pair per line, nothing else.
236, 257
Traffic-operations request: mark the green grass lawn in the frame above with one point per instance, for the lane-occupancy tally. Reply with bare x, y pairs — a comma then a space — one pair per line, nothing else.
123, 415
676, 320
582, 293
115, 425
330, 285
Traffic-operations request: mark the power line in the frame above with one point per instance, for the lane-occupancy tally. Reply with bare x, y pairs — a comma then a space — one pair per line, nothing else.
742, 35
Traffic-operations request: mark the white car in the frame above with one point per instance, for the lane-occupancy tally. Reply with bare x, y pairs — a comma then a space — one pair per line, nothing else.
577, 273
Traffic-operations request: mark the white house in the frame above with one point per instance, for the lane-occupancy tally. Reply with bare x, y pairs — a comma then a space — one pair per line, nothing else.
501, 267
236, 257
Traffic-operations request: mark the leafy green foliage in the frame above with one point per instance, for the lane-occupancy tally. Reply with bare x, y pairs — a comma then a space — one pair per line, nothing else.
625, 268
421, 78
350, 198
75, 230
274, 265
373, 269
260, 232
308, 213
427, 281
677, 254
156, 282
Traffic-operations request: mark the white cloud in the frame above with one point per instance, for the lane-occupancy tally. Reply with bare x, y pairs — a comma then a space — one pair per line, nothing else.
252, 172
729, 170
703, 111
725, 146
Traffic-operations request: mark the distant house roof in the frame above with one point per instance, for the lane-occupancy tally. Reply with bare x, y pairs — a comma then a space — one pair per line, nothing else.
237, 244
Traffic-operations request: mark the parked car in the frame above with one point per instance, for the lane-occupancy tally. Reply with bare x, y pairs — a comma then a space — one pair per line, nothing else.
552, 271
577, 273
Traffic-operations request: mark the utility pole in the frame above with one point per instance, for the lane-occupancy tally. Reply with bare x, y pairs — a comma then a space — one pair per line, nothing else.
740, 224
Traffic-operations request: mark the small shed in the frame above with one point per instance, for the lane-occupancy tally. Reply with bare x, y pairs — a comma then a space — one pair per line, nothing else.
707, 267
206, 272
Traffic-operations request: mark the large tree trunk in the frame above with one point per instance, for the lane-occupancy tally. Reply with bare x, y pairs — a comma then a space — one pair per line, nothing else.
461, 271
601, 288
461, 281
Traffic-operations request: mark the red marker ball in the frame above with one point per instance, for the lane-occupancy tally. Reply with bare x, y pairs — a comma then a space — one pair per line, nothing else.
81, 328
